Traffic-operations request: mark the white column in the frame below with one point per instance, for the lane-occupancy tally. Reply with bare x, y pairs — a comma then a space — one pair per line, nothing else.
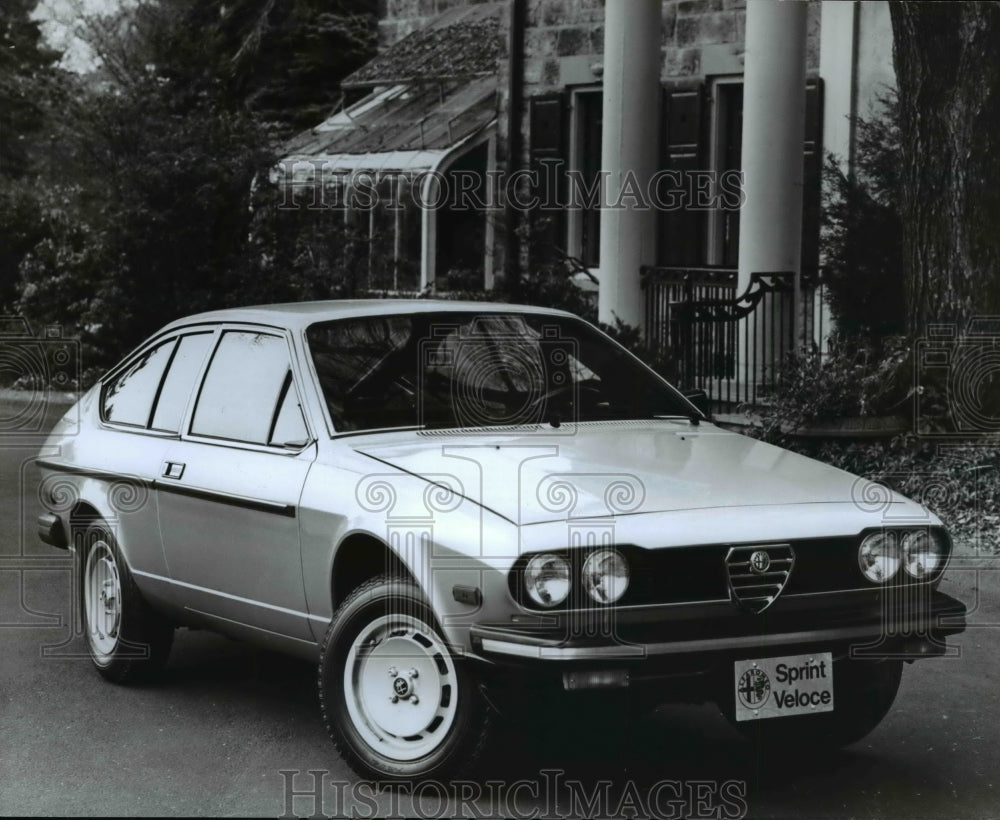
774, 101
838, 68
629, 142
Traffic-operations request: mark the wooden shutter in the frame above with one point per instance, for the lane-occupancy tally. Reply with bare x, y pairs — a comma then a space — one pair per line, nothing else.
681, 239
682, 233
812, 174
548, 144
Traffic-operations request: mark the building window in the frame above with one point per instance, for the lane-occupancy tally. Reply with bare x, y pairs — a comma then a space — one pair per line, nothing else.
702, 140
382, 219
681, 230
462, 225
585, 161
723, 234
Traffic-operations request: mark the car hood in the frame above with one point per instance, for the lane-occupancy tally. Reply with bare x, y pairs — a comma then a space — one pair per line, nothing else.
606, 469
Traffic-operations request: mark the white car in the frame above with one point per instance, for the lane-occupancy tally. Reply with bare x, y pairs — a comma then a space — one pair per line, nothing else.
432, 500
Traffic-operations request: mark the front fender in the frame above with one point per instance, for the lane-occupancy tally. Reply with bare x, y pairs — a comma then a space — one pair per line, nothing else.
443, 539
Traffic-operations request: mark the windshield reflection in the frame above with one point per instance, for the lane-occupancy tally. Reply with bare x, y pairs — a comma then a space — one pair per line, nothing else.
460, 370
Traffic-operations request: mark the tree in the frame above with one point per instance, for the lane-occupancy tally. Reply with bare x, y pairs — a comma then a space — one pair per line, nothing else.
156, 220
283, 59
948, 74
25, 65
26, 77
168, 210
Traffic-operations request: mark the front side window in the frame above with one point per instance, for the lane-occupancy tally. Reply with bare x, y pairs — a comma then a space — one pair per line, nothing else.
246, 390
454, 370
128, 399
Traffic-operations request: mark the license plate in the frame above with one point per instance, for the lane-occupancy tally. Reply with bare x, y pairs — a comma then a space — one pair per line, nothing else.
781, 687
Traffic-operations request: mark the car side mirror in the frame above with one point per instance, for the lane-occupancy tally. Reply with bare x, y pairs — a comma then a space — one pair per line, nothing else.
699, 398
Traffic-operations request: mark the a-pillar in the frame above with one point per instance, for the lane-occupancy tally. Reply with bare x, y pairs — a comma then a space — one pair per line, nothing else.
629, 148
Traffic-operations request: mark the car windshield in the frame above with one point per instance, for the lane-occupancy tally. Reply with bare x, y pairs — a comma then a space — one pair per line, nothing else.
457, 370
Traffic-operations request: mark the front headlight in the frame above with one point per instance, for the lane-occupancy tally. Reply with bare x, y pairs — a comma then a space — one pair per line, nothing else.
605, 575
924, 553
547, 579
878, 556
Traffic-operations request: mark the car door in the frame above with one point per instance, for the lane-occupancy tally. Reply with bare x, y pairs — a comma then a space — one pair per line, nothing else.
228, 492
137, 429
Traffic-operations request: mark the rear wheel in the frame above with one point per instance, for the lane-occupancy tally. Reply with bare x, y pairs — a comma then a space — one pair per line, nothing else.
864, 692
396, 703
126, 638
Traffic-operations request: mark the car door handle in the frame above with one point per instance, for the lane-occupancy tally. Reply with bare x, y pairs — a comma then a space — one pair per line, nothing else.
173, 469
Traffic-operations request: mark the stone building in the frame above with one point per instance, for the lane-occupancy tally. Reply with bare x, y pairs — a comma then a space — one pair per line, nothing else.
464, 95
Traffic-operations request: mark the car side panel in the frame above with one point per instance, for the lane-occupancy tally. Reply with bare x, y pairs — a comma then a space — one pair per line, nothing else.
230, 529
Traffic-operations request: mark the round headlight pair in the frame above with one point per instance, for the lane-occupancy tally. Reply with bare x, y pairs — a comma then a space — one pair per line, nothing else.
920, 552
605, 577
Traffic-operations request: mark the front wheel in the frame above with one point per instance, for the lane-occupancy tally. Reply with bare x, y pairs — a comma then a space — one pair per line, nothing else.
396, 703
864, 691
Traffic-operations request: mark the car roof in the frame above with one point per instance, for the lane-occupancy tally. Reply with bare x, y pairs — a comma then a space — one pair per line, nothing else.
296, 315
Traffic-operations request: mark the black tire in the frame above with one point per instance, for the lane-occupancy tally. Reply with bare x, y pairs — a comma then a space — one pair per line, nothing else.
439, 721
863, 693
126, 639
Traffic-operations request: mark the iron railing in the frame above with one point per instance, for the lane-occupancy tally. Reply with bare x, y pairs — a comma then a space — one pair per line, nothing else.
731, 345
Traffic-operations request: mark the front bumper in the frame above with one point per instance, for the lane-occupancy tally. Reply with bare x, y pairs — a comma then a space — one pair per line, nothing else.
665, 639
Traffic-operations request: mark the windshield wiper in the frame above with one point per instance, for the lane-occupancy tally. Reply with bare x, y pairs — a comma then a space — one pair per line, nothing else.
366, 430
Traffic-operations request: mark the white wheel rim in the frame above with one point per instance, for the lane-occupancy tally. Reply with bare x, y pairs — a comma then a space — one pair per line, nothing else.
102, 600
401, 687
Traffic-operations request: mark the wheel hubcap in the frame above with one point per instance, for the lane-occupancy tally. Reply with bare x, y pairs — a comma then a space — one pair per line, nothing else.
401, 687
102, 599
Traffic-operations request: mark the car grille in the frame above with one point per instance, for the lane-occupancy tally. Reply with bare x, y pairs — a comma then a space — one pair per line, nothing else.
758, 573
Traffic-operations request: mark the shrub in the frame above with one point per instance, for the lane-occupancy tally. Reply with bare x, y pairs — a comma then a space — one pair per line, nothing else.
958, 483
862, 378
862, 230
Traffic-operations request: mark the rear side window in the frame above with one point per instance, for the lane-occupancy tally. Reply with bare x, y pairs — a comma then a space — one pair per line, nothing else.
128, 399
185, 365
245, 389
